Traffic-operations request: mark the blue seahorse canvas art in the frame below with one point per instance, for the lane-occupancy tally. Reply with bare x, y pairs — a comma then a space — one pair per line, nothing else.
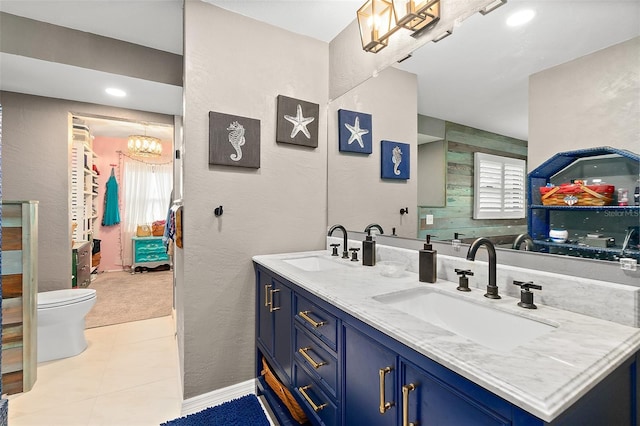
395, 159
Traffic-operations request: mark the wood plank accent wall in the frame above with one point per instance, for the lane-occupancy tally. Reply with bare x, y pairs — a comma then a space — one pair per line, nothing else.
457, 216
19, 296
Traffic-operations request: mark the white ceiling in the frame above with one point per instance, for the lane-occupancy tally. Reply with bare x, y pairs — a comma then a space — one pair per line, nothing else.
478, 76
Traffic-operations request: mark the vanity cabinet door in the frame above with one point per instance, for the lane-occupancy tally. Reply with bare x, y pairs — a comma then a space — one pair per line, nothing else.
427, 400
274, 320
281, 312
370, 370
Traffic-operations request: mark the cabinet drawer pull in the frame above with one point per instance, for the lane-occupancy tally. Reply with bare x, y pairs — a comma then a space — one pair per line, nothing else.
305, 355
305, 315
266, 295
405, 404
384, 406
315, 407
271, 308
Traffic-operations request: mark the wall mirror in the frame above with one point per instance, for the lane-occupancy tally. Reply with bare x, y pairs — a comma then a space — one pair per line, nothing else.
463, 93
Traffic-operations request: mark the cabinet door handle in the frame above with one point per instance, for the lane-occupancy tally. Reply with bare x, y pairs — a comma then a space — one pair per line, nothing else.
271, 308
384, 406
305, 315
313, 405
405, 404
266, 295
305, 355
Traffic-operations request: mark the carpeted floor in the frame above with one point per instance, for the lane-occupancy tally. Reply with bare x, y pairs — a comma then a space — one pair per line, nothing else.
122, 297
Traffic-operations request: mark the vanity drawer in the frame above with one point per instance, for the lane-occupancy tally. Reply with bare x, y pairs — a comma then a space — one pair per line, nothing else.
313, 398
308, 351
317, 320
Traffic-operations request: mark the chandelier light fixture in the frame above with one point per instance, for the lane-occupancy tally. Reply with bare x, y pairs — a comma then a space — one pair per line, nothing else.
416, 15
144, 146
379, 19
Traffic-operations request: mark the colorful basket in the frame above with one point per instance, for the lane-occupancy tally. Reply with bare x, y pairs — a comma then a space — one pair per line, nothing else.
283, 393
577, 194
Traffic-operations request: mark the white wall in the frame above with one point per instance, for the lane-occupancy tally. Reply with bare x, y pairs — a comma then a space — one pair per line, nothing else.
589, 102
239, 66
357, 195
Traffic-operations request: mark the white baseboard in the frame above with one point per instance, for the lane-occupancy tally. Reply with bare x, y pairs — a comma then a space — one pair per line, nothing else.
217, 397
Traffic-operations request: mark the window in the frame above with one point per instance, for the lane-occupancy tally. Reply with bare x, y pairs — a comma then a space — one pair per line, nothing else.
499, 187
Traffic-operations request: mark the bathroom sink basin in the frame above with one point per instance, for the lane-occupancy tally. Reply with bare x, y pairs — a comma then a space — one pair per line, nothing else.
492, 328
314, 263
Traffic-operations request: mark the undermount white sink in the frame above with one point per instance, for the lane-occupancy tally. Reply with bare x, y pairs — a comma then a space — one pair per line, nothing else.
492, 328
314, 263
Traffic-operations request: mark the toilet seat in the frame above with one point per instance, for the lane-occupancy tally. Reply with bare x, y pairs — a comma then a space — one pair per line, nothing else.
57, 298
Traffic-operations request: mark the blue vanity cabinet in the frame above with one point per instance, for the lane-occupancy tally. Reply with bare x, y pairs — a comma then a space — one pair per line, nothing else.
384, 388
370, 384
316, 365
273, 322
342, 371
427, 400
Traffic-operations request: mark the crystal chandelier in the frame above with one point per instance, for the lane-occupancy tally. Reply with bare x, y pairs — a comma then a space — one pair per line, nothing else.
144, 146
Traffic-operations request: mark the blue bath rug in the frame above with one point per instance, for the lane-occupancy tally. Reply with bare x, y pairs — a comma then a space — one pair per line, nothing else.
245, 411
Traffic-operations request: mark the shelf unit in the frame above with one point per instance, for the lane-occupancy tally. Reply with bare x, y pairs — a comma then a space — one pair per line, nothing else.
541, 217
84, 185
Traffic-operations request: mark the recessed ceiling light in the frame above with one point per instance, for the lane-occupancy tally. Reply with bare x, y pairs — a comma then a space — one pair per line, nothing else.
115, 92
520, 18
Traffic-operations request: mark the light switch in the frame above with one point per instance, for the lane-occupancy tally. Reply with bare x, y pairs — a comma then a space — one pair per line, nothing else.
429, 219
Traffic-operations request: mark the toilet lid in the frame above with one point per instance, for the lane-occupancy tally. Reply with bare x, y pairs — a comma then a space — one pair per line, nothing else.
52, 299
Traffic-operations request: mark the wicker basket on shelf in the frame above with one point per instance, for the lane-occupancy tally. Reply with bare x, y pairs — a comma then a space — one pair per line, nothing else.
283, 393
577, 194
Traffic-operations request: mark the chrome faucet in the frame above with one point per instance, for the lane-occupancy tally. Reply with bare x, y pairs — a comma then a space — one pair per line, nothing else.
492, 288
523, 238
373, 225
345, 251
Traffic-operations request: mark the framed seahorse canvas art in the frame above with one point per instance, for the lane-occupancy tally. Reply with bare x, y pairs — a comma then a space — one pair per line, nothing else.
234, 140
297, 122
395, 159
354, 132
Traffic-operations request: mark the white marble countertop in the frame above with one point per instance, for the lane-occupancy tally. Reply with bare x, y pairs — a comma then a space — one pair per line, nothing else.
544, 376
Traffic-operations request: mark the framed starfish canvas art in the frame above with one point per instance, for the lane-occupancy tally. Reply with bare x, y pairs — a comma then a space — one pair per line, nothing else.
234, 140
354, 132
395, 157
297, 122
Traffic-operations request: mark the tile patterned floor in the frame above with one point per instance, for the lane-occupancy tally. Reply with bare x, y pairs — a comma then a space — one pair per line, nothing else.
128, 376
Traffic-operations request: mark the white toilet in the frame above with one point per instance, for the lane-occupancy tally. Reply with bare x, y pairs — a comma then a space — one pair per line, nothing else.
61, 322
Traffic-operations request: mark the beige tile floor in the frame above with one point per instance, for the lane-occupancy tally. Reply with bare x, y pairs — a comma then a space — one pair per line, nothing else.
127, 376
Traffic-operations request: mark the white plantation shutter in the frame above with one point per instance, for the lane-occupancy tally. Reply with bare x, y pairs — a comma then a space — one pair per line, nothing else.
499, 189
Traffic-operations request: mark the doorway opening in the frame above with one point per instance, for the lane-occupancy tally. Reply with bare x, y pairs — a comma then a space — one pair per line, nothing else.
120, 201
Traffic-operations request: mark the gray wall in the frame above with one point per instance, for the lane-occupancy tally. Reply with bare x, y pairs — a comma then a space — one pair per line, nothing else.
36, 157
357, 195
239, 66
350, 65
432, 173
81, 49
588, 102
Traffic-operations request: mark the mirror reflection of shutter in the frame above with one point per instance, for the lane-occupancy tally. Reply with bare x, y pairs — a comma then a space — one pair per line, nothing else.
499, 187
